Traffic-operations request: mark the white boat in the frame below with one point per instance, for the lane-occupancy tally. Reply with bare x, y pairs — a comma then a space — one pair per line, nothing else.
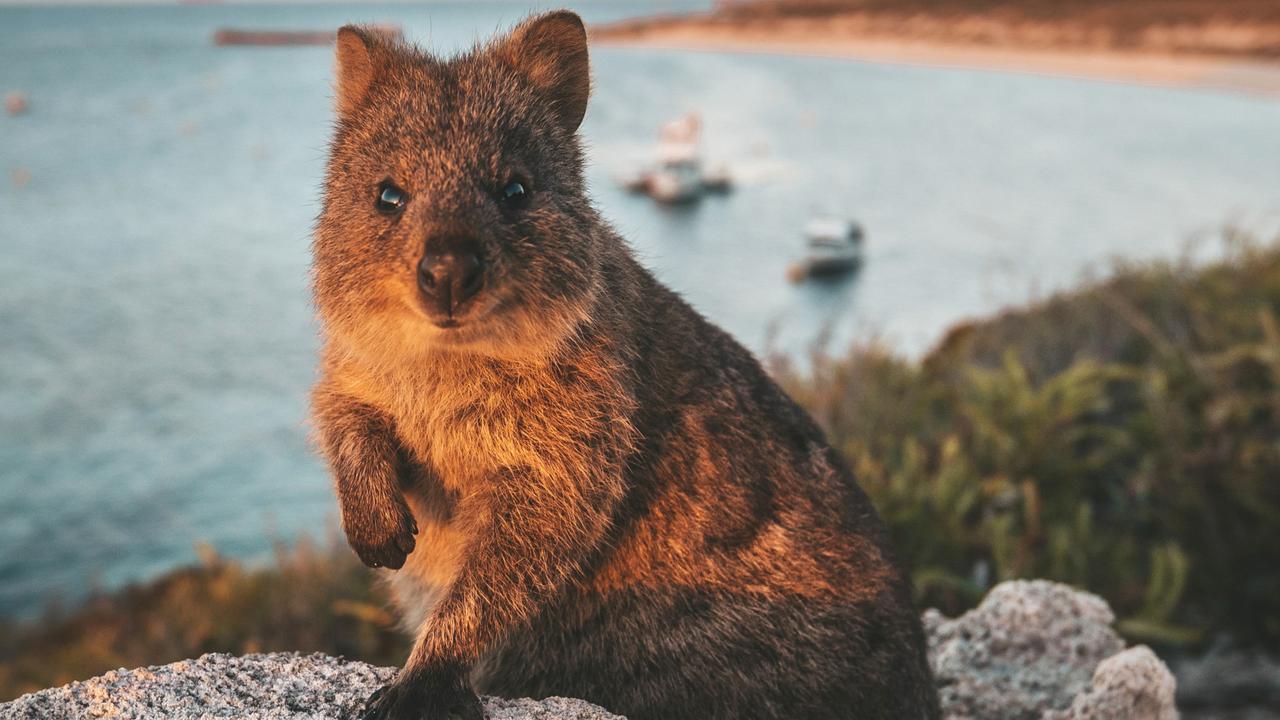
717, 179
834, 249
675, 183
678, 176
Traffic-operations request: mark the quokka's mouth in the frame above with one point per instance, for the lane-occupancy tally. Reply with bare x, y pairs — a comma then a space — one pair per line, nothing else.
451, 319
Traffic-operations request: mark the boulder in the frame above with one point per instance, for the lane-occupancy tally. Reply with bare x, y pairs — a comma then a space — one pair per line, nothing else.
1129, 684
275, 686
1038, 650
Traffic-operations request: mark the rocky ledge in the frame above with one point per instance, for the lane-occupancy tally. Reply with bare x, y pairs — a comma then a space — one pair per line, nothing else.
1033, 650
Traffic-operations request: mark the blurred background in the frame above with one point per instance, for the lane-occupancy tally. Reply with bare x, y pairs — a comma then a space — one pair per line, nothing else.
1018, 256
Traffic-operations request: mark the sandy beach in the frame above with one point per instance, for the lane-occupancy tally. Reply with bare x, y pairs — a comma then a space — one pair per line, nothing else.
1153, 64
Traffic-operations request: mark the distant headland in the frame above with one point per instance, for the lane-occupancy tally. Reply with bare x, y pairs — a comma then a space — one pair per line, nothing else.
1222, 44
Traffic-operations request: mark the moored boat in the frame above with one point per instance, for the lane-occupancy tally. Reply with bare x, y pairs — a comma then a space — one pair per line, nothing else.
834, 249
679, 176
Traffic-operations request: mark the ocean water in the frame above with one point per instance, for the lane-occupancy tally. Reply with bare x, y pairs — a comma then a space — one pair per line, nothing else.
156, 338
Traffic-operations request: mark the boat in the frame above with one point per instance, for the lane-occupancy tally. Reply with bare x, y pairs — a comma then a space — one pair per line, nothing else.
679, 176
717, 180
675, 183
233, 36
834, 249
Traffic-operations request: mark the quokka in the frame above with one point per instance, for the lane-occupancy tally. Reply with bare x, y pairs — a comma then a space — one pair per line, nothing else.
584, 487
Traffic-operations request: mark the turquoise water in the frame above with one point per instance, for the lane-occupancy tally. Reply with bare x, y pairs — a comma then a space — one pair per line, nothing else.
156, 340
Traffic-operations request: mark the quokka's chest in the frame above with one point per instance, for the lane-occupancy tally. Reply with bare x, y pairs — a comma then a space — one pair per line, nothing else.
457, 440
468, 423
465, 440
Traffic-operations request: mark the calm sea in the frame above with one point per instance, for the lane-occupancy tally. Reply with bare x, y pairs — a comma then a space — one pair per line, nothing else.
156, 340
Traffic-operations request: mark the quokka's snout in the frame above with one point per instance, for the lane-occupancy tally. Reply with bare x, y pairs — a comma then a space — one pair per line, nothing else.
450, 273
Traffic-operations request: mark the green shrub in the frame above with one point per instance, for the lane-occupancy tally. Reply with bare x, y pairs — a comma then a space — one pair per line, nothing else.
1124, 438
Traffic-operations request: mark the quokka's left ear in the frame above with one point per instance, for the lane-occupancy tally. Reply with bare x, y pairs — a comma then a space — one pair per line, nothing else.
550, 50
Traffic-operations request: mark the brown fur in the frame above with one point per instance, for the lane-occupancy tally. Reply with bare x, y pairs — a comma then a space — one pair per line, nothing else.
587, 489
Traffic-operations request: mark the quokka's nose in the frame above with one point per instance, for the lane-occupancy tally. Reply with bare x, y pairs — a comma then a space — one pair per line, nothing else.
450, 278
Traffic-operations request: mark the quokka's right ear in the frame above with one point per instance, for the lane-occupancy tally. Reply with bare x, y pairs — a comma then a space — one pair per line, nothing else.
551, 51
357, 65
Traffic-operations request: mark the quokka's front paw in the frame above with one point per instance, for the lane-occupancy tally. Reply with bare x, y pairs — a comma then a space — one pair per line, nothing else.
381, 532
441, 694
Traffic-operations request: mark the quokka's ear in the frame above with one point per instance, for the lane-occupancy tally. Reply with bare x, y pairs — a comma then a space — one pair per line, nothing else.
550, 50
358, 51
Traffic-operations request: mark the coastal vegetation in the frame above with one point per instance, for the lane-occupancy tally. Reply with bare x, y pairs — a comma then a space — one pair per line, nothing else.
1122, 437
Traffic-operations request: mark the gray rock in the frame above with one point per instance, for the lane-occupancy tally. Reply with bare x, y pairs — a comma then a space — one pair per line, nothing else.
1037, 650
1033, 650
278, 686
1128, 685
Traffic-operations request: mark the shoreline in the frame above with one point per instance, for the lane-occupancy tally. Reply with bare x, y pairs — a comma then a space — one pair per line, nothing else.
1239, 75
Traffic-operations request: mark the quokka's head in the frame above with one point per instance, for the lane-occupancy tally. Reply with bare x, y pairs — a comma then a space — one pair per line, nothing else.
454, 211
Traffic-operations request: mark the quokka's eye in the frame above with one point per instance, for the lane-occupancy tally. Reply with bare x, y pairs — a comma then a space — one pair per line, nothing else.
514, 195
391, 199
